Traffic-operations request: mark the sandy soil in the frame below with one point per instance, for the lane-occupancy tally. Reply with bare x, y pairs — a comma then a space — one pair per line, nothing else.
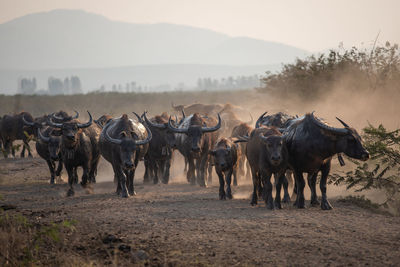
179, 224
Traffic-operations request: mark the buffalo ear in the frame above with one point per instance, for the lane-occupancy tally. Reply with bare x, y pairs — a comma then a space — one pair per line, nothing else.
212, 152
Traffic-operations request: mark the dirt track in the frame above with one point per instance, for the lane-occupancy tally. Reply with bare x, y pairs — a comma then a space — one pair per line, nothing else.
181, 224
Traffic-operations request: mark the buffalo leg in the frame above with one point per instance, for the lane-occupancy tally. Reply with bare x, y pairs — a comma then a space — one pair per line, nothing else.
285, 183
190, 173
156, 170
167, 167
75, 176
59, 168
222, 195
146, 178
248, 174
266, 181
235, 174
280, 180
70, 171
121, 189
185, 170
131, 188
85, 174
22, 155
228, 177
93, 170
7, 148
51, 164
254, 198
202, 164
300, 189
241, 165
312, 180
210, 168
28, 148
325, 205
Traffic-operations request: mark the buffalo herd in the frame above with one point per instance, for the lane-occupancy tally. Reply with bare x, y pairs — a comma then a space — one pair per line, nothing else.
207, 136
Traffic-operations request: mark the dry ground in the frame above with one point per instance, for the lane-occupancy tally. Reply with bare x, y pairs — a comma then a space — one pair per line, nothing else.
179, 224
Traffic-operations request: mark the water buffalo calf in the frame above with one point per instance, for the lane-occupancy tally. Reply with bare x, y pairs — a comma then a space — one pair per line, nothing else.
226, 154
267, 154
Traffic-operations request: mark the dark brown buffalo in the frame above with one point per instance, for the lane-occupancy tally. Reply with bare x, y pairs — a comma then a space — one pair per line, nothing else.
243, 129
205, 109
230, 121
12, 128
48, 146
62, 116
102, 121
194, 140
123, 142
159, 155
267, 154
226, 154
79, 148
311, 145
279, 120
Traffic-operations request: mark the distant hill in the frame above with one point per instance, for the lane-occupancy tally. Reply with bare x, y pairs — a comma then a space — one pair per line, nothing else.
64, 39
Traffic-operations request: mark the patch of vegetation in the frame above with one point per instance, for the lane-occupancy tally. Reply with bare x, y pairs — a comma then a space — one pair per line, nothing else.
362, 202
27, 244
382, 171
355, 69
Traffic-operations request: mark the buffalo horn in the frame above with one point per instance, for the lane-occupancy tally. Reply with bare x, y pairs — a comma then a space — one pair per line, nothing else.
212, 129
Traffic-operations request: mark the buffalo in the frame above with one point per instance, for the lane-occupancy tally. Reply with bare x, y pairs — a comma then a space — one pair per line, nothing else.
198, 108
102, 121
226, 154
79, 148
279, 120
159, 155
48, 145
194, 140
311, 145
267, 154
243, 129
12, 128
123, 142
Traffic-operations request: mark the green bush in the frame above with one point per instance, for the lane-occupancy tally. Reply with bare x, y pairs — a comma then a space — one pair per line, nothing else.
354, 69
382, 171
25, 243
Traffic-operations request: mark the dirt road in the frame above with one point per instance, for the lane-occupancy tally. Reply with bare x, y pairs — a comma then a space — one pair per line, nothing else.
179, 224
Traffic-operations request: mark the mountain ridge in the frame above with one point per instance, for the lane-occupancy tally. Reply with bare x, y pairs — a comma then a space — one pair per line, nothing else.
61, 39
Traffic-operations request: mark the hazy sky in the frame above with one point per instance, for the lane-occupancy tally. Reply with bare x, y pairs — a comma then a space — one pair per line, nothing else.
310, 24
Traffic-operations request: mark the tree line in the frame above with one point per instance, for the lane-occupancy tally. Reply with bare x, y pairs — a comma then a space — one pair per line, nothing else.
55, 86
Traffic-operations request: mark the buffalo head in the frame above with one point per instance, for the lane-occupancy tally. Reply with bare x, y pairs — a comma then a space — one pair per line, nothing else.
347, 140
127, 141
53, 142
275, 148
69, 130
197, 127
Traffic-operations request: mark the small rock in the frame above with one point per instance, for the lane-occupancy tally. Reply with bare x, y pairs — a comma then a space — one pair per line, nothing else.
124, 248
140, 255
111, 239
